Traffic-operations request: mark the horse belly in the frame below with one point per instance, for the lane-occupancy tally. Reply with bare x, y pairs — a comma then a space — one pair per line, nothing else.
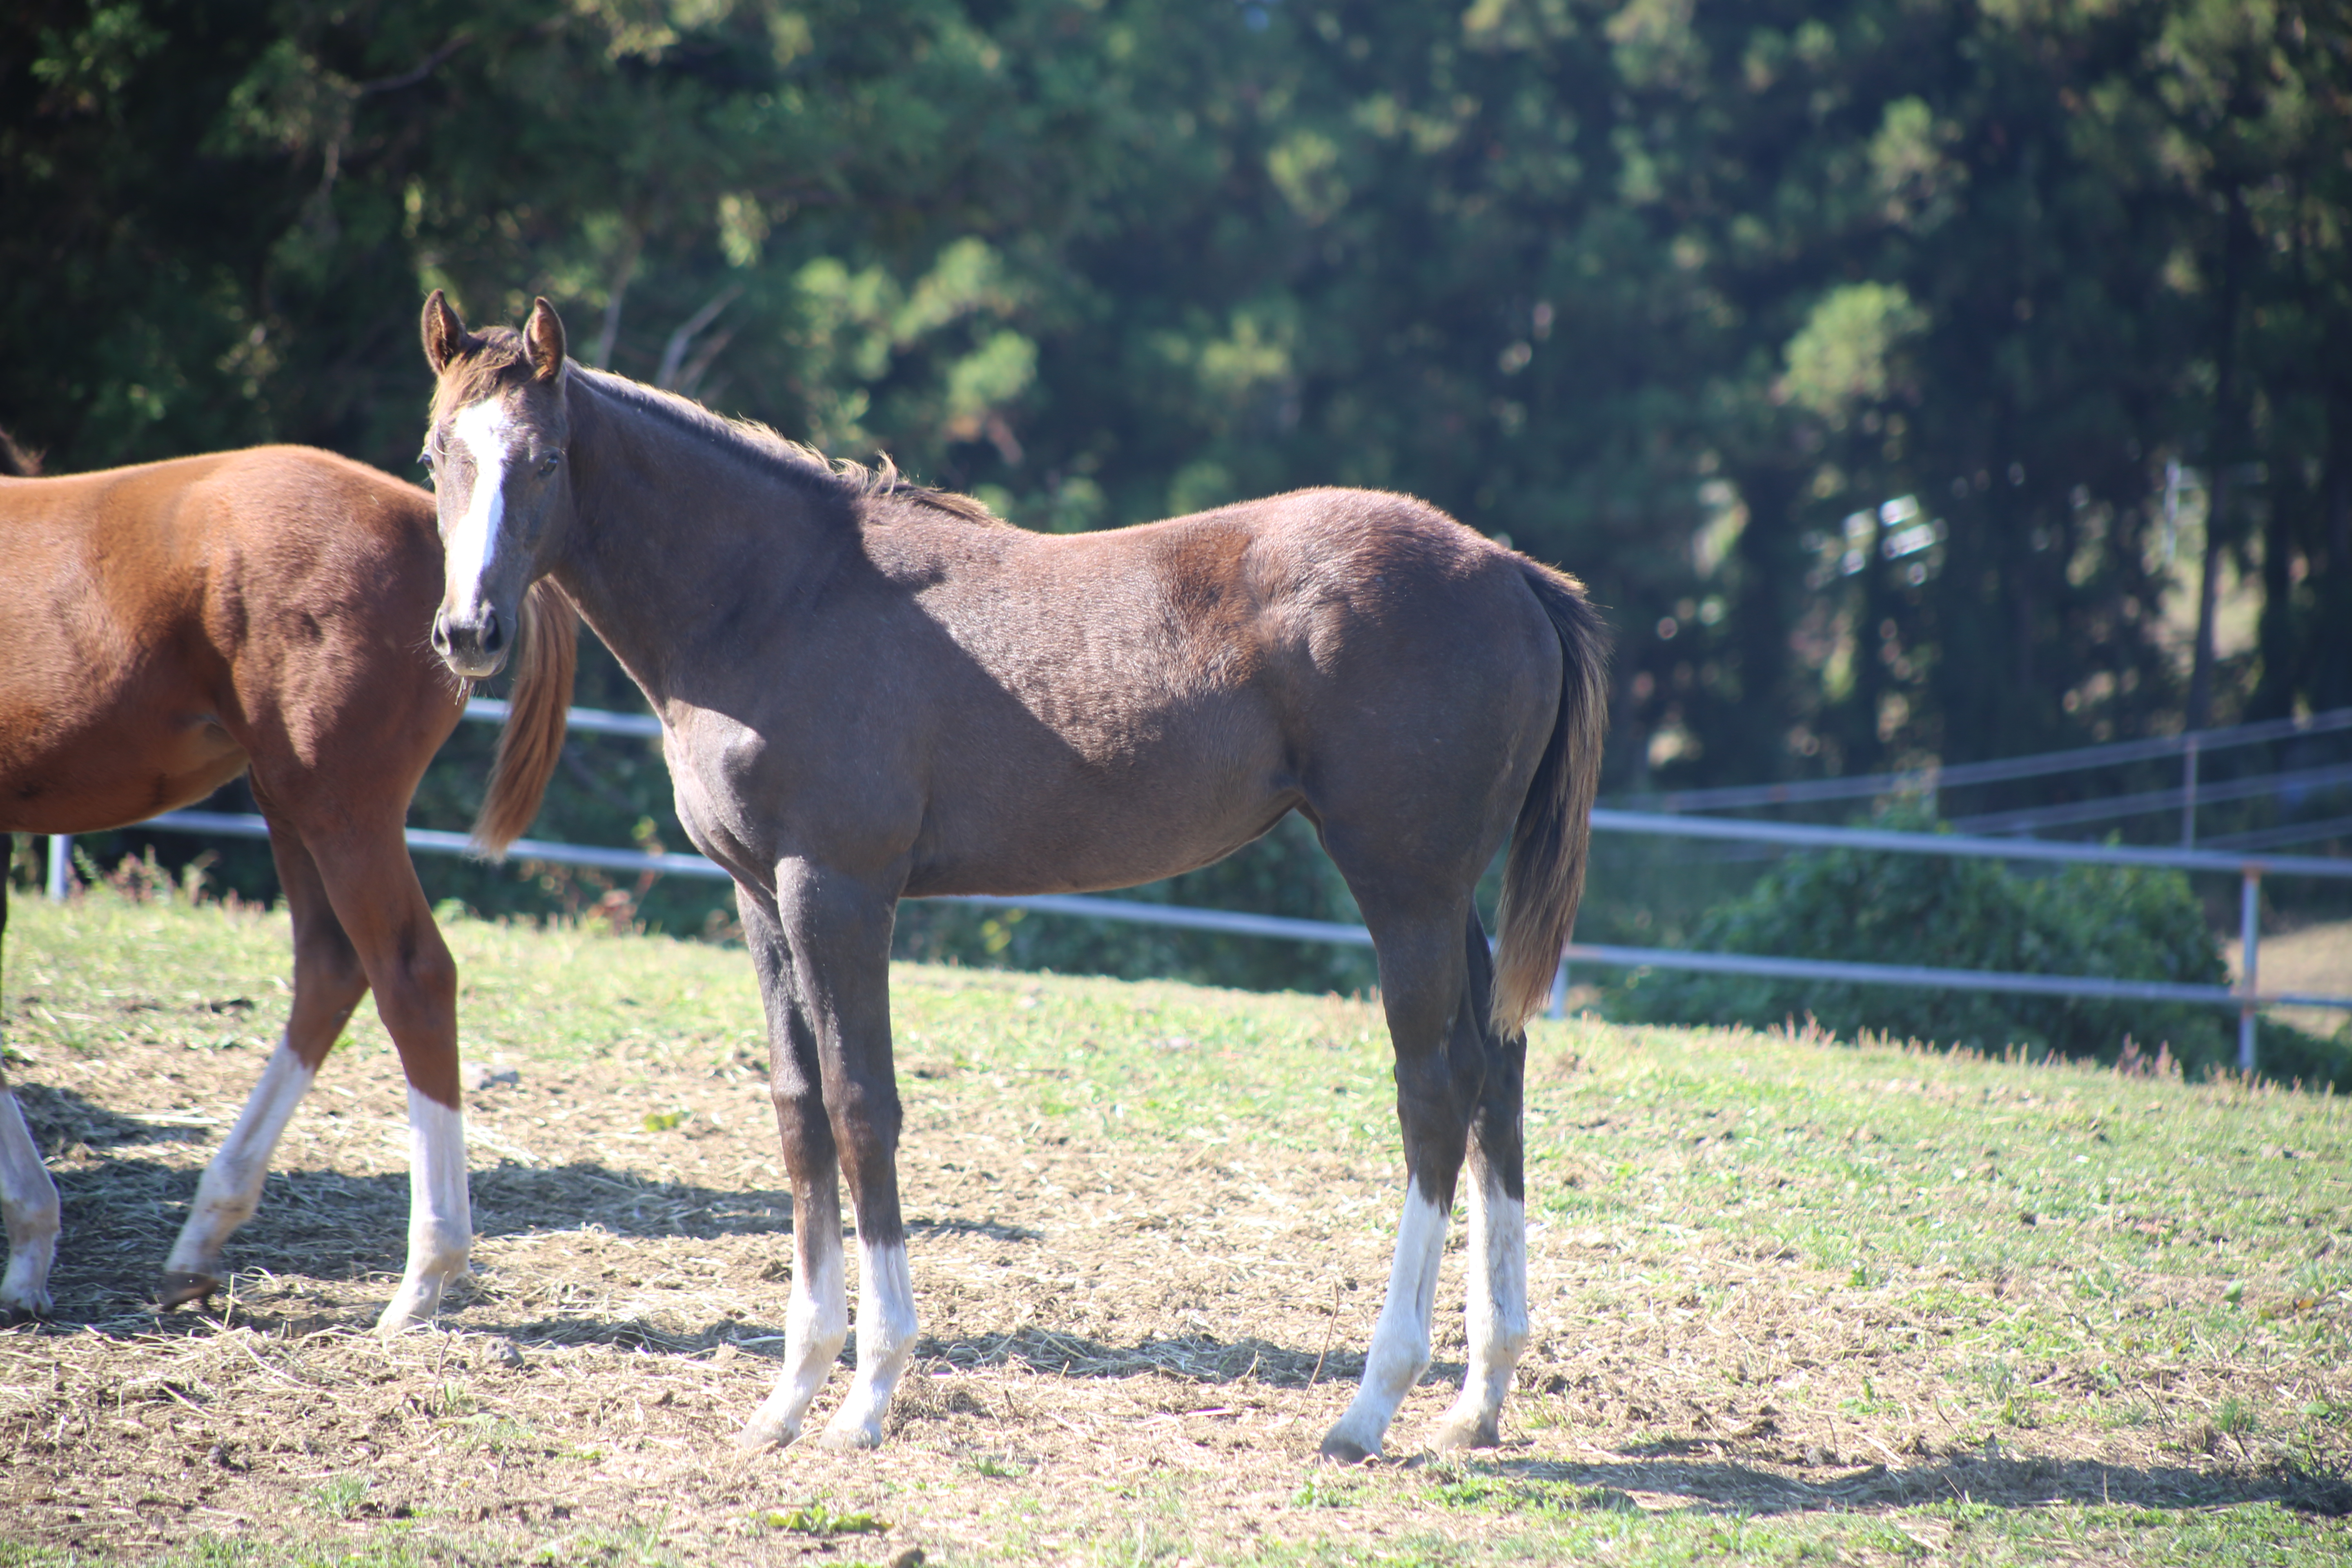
1086, 832
60, 777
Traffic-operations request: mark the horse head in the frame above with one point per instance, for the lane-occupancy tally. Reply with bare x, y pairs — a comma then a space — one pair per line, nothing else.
497, 451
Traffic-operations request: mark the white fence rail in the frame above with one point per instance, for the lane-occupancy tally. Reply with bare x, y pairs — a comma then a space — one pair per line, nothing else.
2249, 867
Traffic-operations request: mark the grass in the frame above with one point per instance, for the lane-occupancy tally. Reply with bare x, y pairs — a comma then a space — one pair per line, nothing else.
1793, 1300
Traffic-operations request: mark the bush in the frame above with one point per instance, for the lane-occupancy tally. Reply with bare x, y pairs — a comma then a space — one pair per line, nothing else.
1879, 908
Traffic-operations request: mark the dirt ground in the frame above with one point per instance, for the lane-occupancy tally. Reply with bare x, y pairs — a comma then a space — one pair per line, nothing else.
1136, 1343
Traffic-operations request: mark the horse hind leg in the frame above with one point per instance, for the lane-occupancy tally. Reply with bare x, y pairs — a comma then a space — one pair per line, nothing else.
1495, 1293
328, 985
29, 1200
1439, 1078
816, 1318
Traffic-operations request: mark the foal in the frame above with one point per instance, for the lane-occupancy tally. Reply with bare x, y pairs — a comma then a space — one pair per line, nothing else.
870, 691
166, 628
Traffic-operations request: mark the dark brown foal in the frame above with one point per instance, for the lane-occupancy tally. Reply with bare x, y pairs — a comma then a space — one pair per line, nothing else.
165, 627
871, 691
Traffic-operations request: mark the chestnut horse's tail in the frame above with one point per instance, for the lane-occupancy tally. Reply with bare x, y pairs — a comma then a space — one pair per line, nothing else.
1543, 875
534, 738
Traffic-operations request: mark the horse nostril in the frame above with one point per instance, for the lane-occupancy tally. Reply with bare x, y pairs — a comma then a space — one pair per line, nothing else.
440, 633
491, 636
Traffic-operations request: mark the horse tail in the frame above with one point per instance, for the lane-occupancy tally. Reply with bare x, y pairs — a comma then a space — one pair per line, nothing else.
534, 738
1543, 875
16, 462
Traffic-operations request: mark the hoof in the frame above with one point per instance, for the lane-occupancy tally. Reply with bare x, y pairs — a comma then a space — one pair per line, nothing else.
13, 1310
1345, 1450
1454, 1436
181, 1287
758, 1439
848, 1439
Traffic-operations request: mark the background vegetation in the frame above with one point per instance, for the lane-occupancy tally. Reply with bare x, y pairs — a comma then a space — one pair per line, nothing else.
1846, 349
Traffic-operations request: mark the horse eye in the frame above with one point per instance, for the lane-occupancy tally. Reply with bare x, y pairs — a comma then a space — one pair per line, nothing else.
547, 464
424, 456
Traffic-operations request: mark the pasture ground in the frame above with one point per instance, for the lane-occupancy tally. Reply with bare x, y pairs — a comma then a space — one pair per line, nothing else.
1793, 1301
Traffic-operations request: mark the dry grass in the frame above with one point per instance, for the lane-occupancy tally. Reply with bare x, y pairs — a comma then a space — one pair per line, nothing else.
1788, 1297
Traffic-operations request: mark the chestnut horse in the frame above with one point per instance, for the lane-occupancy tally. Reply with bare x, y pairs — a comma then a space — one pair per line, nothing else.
870, 691
168, 627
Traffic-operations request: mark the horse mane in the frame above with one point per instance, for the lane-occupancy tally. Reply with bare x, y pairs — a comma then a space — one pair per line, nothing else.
16, 462
498, 360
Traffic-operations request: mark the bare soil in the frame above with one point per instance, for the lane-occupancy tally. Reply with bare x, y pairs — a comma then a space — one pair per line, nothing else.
1127, 1342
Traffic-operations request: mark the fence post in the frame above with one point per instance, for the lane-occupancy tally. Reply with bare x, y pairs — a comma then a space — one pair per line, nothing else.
61, 865
2189, 793
1559, 1008
2249, 902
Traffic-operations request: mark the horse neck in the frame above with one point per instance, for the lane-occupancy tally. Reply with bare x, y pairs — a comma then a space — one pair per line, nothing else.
671, 536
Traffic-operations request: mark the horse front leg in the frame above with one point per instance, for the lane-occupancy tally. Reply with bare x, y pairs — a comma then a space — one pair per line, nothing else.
371, 886
1495, 1294
839, 929
329, 982
1437, 1081
28, 1198
817, 1320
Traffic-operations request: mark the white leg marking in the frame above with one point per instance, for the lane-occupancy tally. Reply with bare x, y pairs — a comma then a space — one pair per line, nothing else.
816, 1325
231, 1188
886, 1343
472, 548
1496, 1308
28, 1205
1400, 1351
440, 1213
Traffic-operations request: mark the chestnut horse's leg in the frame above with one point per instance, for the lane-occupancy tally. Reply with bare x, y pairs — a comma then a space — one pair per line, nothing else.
1496, 1304
328, 985
371, 884
28, 1199
1440, 1066
817, 1320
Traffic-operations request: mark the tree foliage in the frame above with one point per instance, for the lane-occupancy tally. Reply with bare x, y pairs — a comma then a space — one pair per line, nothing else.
1841, 347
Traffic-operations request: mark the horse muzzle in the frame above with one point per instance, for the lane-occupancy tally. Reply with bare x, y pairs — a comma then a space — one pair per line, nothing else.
474, 646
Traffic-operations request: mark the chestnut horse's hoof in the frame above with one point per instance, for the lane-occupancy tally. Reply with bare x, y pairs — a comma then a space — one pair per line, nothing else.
1452, 1437
181, 1287
1345, 1450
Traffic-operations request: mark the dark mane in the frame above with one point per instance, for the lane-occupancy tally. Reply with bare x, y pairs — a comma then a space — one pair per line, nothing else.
495, 359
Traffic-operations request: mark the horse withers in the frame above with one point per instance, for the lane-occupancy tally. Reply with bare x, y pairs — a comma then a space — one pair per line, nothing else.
870, 691
167, 627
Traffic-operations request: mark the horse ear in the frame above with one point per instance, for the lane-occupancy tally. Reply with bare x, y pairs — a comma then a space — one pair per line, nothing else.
445, 334
542, 339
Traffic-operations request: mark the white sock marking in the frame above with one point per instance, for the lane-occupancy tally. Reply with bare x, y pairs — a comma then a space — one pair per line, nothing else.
1399, 1351
28, 1205
1495, 1305
440, 1213
816, 1325
885, 1342
473, 542
231, 1188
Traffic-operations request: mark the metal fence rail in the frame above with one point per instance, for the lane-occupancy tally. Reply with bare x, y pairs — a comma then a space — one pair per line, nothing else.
2246, 862
2246, 997
1863, 786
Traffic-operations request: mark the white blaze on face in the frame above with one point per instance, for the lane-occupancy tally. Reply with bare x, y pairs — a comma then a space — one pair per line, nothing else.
471, 549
